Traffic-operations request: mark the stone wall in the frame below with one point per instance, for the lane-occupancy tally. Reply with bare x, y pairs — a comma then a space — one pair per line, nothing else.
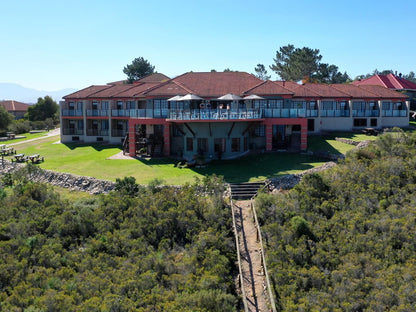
70, 181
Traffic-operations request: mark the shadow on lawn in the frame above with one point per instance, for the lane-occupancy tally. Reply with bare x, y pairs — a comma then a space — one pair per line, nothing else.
247, 169
97, 146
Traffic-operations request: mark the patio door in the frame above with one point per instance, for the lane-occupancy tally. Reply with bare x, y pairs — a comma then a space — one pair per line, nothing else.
279, 137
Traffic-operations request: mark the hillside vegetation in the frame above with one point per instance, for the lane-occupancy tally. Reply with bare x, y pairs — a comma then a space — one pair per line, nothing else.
136, 249
345, 240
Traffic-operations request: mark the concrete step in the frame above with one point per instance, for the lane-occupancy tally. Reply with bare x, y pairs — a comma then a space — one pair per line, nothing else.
245, 190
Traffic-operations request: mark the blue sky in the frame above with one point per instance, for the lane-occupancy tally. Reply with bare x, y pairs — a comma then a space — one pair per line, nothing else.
51, 45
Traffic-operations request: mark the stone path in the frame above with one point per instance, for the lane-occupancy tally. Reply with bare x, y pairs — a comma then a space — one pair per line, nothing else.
252, 269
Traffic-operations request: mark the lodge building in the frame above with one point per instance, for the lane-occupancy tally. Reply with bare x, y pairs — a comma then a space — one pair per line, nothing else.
223, 114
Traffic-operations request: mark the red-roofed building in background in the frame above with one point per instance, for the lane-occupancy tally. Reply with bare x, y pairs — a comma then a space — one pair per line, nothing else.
223, 114
17, 109
393, 82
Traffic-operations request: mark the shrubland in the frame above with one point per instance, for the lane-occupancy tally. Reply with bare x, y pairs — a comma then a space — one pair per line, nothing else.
154, 248
345, 239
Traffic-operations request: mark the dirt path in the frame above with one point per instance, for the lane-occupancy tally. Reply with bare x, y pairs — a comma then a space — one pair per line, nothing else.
252, 270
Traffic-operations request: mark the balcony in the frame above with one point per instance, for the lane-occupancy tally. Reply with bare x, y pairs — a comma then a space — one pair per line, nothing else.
97, 132
394, 113
72, 131
365, 113
97, 112
120, 112
285, 113
335, 113
71, 113
215, 114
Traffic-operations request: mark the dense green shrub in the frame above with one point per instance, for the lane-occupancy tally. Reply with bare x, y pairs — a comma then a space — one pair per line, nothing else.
158, 249
344, 240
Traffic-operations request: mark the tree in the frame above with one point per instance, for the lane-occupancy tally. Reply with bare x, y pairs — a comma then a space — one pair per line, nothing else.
295, 64
139, 68
304, 64
5, 118
43, 109
261, 72
411, 76
330, 74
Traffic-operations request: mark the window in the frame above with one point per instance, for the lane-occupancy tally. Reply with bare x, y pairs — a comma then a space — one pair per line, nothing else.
119, 104
259, 131
71, 105
189, 144
311, 125
373, 122
94, 105
386, 105
328, 105
235, 144
130, 104
360, 122
358, 105
104, 105
202, 146
219, 145
275, 103
299, 104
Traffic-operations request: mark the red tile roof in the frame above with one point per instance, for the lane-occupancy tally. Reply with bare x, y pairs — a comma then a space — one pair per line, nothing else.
156, 77
325, 90
390, 81
137, 90
354, 91
112, 91
169, 88
87, 92
384, 92
216, 84
269, 88
14, 106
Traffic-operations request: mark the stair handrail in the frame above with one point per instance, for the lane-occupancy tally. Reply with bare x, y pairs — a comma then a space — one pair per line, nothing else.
240, 269
263, 256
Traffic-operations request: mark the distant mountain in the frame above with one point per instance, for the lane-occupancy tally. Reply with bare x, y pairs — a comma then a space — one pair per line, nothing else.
13, 91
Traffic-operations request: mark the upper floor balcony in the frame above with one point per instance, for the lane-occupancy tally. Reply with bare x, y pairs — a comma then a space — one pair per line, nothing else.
71, 113
365, 113
335, 113
97, 112
72, 131
394, 113
215, 114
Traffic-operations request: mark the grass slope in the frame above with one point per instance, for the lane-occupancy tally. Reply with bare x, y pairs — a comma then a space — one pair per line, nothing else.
92, 160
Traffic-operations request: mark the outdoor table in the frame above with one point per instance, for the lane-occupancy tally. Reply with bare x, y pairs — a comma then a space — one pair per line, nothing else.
35, 158
19, 157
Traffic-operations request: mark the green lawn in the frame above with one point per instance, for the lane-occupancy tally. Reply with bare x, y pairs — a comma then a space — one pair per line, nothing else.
26, 136
91, 160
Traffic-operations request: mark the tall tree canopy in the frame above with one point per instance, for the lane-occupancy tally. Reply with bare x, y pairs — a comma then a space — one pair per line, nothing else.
5, 118
45, 108
261, 72
305, 64
139, 68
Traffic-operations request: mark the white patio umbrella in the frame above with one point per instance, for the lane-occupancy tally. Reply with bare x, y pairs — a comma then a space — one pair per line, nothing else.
175, 98
253, 97
230, 97
190, 97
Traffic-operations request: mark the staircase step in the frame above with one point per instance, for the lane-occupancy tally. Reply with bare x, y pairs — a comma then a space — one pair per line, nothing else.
245, 190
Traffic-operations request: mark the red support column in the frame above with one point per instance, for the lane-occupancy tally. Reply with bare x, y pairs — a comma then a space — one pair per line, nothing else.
304, 136
132, 138
166, 139
269, 137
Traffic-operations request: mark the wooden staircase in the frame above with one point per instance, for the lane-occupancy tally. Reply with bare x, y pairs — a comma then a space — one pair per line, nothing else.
245, 190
